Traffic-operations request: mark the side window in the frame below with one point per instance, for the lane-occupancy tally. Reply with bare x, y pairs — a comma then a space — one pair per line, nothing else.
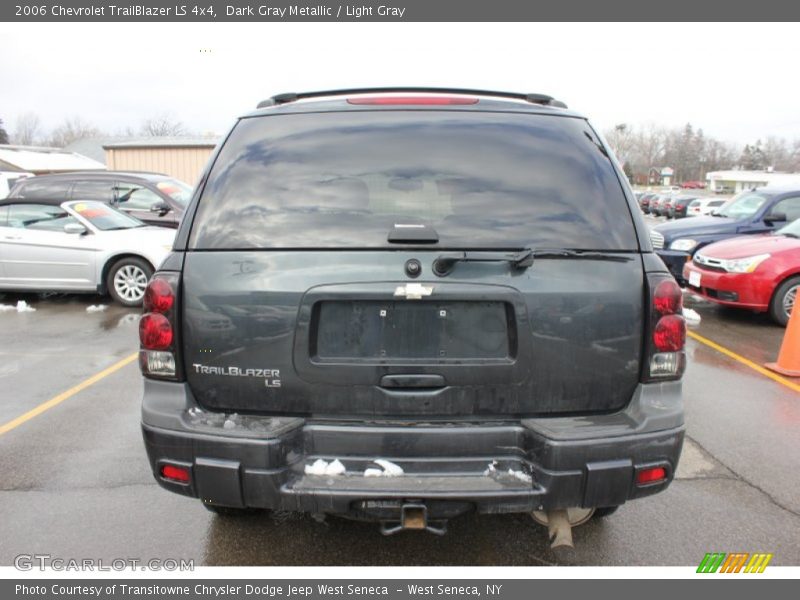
103, 191
39, 189
39, 217
3, 216
789, 206
134, 196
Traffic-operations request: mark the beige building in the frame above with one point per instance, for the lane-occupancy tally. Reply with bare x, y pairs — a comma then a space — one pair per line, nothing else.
183, 158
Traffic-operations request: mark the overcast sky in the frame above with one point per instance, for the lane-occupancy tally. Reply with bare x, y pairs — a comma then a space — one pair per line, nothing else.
736, 81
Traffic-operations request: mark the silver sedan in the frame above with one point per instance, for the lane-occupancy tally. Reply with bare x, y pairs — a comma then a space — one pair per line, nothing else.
78, 246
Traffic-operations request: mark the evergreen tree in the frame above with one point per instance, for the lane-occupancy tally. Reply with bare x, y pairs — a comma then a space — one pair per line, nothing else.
3, 134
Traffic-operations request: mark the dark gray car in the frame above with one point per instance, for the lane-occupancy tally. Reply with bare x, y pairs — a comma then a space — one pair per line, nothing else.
152, 198
404, 305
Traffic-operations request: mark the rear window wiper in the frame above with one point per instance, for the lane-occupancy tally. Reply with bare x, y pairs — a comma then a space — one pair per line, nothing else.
583, 254
521, 260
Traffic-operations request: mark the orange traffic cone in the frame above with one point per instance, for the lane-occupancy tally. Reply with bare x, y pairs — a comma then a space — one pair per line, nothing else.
789, 357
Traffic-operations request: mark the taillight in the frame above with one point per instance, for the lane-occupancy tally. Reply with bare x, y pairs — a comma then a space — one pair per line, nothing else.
157, 333
158, 296
670, 334
665, 357
668, 298
414, 100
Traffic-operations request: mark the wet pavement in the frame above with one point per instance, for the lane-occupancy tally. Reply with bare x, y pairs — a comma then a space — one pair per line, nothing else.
74, 480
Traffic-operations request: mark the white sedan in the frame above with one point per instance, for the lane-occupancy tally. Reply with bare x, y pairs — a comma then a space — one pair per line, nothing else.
78, 246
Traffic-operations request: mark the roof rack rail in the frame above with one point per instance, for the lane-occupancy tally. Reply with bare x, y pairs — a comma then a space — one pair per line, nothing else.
542, 99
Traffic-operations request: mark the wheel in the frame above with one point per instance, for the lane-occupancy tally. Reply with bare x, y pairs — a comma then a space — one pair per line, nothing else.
783, 300
230, 511
127, 279
604, 511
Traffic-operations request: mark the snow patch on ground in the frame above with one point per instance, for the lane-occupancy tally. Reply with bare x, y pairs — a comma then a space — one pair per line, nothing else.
692, 317
21, 306
96, 308
491, 469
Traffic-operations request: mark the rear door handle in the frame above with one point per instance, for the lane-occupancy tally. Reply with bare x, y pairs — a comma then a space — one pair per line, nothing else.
412, 381
12, 237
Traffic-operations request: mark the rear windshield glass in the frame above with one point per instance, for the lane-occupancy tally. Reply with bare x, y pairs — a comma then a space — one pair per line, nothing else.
478, 179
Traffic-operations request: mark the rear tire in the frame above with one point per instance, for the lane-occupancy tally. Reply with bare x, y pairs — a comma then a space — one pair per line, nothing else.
230, 511
604, 511
127, 279
783, 300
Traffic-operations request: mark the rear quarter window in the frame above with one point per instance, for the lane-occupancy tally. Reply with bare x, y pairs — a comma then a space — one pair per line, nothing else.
41, 189
479, 179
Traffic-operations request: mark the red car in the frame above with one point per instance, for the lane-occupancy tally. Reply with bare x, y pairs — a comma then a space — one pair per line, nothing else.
758, 272
693, 185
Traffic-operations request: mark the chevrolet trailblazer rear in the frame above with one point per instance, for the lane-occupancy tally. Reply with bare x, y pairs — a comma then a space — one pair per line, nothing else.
406, 305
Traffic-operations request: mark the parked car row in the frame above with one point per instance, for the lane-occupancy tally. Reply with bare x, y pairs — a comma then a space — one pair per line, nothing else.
745, 254
88, 231
677, 206
153, 198
78, 246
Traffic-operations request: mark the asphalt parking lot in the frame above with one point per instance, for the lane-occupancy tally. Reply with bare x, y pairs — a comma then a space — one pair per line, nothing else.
75, 483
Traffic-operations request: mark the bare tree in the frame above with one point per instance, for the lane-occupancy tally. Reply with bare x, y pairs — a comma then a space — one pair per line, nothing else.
777, 153
650, 144
718, 155
27, 131
793, 160
71, 130
162, 125
622, 141
648, 148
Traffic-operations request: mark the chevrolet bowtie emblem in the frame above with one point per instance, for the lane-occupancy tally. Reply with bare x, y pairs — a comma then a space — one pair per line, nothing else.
413, 291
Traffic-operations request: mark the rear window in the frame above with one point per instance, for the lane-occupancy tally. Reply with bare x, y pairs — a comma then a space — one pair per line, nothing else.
41, 189
344, 180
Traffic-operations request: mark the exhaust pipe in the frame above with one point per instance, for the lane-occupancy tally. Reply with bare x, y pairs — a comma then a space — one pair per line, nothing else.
559, 530
559, 523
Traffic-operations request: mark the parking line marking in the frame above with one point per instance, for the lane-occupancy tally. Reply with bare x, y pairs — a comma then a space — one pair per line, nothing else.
37, 410
741, 359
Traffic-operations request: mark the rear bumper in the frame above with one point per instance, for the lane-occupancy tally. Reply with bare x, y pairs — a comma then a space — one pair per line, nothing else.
451, 468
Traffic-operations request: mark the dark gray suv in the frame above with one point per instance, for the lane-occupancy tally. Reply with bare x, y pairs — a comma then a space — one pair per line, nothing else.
403, 305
